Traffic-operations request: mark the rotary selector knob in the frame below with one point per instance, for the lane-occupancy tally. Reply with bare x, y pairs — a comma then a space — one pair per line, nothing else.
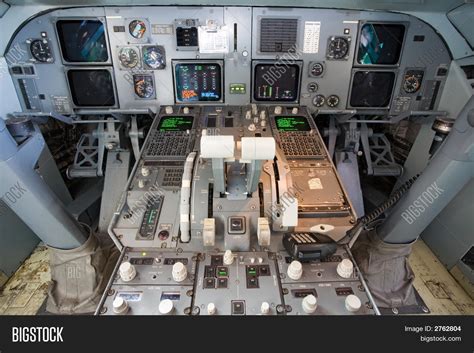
295, 270
294, 111
228, 258
127, 271
120, 305
179, 272
169, 109
353, 303
211, 308
265, 308
165, 307
345, 268
145, 171
252, 127
309, 304
185, 110
278, 110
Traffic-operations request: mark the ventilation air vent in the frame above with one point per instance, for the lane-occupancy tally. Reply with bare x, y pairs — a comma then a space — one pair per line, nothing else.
278, 35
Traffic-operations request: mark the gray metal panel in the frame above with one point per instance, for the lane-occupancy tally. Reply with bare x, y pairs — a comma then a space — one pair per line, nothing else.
450, 234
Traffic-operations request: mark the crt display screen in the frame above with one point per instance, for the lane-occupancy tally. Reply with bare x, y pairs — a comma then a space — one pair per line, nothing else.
292, 123
380, 44
175, 123
276, 82
198, 82
91, 87
372, 89
82, 41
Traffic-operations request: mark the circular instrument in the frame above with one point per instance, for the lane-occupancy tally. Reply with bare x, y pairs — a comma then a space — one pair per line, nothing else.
312, 87
338, 48
143, 86
332, 101
412, 84
128, 57
40, 50
137, 29
316, 69
154, 57
319, 100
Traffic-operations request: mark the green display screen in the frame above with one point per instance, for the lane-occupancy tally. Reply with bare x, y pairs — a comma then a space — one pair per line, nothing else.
175, 123
292, 123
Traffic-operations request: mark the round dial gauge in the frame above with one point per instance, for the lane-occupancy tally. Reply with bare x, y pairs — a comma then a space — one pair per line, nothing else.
319, 100
333, 101
128, 57
316, 69
312, 87
40, 50
154, 57
338, 48
143, 86
137, 29
412, 84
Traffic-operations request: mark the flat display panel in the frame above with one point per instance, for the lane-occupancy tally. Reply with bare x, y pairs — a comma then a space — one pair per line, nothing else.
275, 82
91, 87
82, 41
175, 123
380, 44
372, 89
198, 82
292, 123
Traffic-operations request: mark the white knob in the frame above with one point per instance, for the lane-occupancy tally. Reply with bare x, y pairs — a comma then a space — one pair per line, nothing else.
295, 270
145, 171
120, 305
245, 53
169, 109
186, 110
165, 307
345, 268
127, 271
294, 110
277, 109
254, 109
263, 123
265, 308
263, 115
252, 127
252, 260
179, 272
260, 260
141, 183
248, 115
310, 303
353, 303
255, 120
211, 308
228, 258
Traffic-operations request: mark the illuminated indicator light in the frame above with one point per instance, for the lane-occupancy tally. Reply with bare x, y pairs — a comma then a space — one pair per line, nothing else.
143, 253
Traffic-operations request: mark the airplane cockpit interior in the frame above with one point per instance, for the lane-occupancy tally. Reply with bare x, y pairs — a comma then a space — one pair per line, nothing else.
245, 158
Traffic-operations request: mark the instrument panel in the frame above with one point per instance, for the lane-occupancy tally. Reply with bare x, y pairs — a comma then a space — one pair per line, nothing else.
326, 60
